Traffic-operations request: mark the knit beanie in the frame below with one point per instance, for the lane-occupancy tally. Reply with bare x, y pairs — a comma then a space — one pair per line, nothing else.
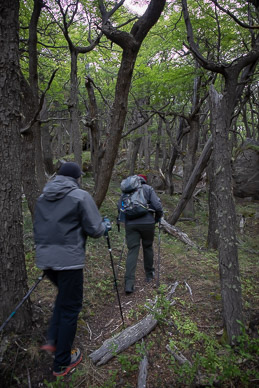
143, 176
70, 169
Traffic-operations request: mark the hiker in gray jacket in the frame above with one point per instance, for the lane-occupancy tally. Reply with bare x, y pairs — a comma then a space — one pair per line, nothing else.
65, 216
141, 230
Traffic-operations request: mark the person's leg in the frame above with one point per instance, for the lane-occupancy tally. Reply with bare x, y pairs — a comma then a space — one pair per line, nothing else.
70, 296
133, 244
54, 321
147, 235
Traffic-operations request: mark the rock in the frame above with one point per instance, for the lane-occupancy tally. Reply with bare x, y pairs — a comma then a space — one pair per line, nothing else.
246, 170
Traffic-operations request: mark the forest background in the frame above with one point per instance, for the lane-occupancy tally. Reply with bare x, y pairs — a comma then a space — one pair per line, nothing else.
171, 93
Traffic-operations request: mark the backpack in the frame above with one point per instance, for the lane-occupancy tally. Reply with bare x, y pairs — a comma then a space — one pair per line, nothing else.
133, 201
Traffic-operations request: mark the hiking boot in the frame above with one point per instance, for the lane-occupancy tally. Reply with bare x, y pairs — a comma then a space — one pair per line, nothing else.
76, 358
129, 289
48, 347
149, 277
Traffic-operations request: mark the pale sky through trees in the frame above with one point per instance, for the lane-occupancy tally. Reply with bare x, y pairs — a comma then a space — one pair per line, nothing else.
136, 6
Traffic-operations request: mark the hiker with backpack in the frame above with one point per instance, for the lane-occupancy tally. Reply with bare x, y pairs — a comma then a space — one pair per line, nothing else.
139, 208
64, 216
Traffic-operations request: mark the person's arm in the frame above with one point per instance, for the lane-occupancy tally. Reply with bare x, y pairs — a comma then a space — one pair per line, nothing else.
92, 222
155, 204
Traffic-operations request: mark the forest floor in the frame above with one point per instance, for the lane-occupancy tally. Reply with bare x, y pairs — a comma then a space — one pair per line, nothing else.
193, 323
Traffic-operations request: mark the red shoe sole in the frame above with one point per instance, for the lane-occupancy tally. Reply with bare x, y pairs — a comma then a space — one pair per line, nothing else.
68, 369
48, 348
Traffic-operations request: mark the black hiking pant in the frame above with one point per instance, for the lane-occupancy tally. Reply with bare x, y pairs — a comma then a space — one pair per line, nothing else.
68, 304
136, 233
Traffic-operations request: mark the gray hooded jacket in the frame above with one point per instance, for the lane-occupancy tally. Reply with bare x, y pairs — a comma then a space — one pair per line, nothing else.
64, 216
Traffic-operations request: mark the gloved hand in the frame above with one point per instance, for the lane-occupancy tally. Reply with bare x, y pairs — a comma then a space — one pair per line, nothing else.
108, 225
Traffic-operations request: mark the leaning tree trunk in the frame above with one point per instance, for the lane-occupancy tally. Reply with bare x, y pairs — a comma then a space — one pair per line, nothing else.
193, 180
13, 278
221, 112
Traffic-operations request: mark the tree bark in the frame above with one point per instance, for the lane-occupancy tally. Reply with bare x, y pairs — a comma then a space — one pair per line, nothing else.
173, 158
33, 174
94, 128
33, 81
73, 108
190, 160
192, 143
128, 336
142, 377
176, 232
46, 142
221, 111
213, 234
123, 340
194, 179
134, 154
158, 141
222, 108
130, 44
13, 277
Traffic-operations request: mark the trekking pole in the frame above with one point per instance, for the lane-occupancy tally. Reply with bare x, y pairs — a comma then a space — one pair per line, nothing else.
114, 275
158, 256
22, 301
121, 254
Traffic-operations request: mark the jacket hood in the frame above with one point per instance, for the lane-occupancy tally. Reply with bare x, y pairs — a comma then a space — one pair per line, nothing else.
59, 187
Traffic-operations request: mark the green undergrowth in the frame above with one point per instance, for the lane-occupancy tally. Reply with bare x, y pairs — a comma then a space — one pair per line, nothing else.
189, 325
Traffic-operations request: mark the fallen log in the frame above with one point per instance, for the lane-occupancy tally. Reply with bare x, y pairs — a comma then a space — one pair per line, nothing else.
176, 232
142, 377
127, 337
123, 340
178, 356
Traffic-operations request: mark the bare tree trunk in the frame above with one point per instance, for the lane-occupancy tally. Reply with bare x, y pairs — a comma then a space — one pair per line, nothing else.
164, 149
158, 141
190, 160
192, 143
222, 108
39, 162
226, 214
73, 108
130, 44
193, 180
96, 152
46, 143
134, 155
147, 146
213, 234
13, 278
174, 155
33, 174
